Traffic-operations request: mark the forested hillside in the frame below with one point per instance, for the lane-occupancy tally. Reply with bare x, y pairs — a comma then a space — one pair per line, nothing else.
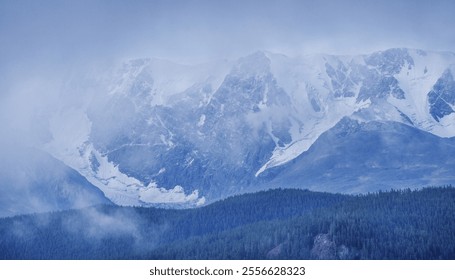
274, 224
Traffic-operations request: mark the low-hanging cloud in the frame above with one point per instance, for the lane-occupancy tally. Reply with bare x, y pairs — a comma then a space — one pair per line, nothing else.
96, 227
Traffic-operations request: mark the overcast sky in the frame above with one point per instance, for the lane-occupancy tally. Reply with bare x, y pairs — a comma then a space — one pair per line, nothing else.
78, 29
53, 36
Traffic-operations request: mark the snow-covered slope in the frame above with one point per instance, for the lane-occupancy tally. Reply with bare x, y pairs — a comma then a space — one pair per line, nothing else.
161, 132
71, 129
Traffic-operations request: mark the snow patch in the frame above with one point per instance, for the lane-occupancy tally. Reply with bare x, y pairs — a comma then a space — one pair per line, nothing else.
201, 121
155, 195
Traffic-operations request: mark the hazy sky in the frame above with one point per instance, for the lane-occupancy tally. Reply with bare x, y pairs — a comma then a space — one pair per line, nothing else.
52, 36
77, 29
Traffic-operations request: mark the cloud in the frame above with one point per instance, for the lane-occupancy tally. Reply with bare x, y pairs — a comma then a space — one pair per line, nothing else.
94, 226
95, 223
74, 31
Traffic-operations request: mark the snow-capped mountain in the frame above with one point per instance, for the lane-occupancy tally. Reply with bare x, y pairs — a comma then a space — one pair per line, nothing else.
160, 132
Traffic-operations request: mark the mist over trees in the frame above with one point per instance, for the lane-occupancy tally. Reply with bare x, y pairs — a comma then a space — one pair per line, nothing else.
274, 224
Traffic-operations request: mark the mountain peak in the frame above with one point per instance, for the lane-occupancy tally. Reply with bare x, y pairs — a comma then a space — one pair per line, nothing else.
254, 64
390, 61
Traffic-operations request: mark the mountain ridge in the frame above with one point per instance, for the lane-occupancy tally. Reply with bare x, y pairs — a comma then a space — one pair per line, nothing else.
187, 137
